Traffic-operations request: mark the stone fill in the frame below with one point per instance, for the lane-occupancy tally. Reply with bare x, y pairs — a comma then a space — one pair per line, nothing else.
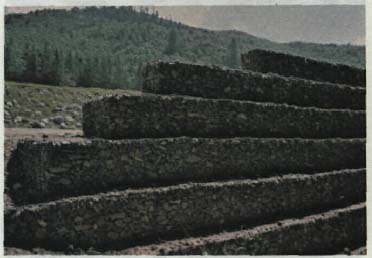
100, 220
155, 116
318, 234
202, 173
289, 65
45, 170
219, 83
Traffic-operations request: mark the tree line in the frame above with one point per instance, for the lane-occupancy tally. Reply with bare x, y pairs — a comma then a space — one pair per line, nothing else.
109, 46
58, 66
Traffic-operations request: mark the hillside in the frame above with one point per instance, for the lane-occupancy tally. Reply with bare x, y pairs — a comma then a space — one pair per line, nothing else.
107, 47
44, 106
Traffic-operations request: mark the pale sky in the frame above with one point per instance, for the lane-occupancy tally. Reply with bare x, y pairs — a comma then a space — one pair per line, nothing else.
341, 24
180, 2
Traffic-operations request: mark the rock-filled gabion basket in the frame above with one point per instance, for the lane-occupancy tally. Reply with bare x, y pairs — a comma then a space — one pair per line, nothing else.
207, 161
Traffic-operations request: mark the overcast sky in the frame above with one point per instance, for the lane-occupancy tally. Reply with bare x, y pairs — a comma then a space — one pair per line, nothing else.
180, 2
319, 24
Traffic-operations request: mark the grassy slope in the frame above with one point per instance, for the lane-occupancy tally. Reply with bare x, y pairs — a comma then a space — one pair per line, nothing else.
34, 102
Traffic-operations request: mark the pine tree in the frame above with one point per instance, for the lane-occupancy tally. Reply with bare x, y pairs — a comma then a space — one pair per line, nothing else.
7, 60
31, 64
106, 71
70, 67
14, 62
38, 71
58, 68
69, 63
138, 78
172, 46
46, 58
85, 75
94, 71
232, 58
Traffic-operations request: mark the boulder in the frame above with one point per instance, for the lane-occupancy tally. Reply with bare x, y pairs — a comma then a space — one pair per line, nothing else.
37, 124
58, 120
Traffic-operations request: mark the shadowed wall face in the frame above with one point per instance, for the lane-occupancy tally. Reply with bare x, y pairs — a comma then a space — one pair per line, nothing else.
217, 83
288, 65
121, 216
50, 170
155, 116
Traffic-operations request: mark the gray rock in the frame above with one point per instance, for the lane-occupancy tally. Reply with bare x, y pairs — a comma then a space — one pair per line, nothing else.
17, 186
192, 159
73, 107
75, 113
45, 120
113, 235
37, 124
58, 120
58, 109
242, 117
69, 119
91, 251
28, 111
64, 181
78, 219
63, 126
18, 119
42, 223
9, 103
38, 113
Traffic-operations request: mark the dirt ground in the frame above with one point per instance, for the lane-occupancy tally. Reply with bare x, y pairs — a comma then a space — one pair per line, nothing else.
31, 133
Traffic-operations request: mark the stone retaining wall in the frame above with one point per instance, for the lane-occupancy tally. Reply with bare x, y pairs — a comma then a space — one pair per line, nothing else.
118, 117
215, 82
44, 170
320, 234
103, 219
288, 65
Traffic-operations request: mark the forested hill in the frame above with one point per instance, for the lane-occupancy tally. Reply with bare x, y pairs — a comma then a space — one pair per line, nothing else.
107, 47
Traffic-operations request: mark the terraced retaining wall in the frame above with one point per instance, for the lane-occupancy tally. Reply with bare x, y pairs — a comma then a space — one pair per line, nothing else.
215, 82
317, 234
44, 170
118, 117
100, 220
289, 65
